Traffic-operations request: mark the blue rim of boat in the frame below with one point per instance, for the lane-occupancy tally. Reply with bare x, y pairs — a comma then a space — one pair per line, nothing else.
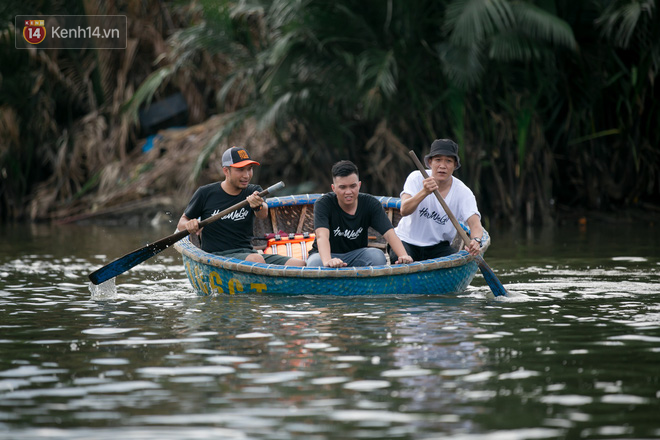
460, 258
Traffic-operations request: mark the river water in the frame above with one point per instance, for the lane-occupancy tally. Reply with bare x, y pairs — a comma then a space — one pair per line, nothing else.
573, 352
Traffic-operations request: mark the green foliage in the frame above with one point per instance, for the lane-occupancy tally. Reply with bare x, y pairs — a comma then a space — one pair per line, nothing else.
145, 93
510, 80
418, 67
552, 101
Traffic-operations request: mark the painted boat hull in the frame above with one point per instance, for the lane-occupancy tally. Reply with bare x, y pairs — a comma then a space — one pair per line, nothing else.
210, 274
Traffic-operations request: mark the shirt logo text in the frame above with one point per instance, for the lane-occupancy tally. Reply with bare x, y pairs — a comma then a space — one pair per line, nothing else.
440, 219
351, 235
236, 216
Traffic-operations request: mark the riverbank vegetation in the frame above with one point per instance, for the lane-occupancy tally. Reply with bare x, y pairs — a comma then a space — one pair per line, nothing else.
552, 102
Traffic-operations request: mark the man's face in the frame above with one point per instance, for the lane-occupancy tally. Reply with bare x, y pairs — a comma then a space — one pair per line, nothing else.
442, 167
347, 189
239, 177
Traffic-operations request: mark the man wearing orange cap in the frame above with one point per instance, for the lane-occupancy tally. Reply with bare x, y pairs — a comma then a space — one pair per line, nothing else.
231, 236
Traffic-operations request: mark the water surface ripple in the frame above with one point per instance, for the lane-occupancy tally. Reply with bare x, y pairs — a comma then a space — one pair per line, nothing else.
573, 352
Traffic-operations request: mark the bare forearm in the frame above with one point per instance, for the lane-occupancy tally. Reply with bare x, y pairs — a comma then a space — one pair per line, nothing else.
263, 212
410, 203
323, 244
397, 246
187, 224
258, 205
474, 223
181, 226
476, 232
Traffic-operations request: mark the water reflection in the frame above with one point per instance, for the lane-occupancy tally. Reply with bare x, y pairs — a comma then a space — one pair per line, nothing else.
572, 353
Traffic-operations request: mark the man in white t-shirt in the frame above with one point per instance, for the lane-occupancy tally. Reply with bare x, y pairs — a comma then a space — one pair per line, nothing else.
425, 229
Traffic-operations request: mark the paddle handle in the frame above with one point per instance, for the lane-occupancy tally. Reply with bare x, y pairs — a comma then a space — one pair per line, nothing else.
459, 229
237, 206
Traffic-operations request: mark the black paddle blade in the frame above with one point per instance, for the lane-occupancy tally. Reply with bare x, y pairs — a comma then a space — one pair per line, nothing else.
493, 282
132, 259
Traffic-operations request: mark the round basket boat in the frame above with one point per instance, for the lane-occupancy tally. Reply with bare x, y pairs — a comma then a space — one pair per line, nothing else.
211, 274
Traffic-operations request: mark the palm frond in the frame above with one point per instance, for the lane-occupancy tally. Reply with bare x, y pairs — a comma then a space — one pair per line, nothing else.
462, 65
145, 93
188, 43
280, 110
512, 46
469, 22
543, 26
377, 76
619, 21
284, 14
278, 65
239, 83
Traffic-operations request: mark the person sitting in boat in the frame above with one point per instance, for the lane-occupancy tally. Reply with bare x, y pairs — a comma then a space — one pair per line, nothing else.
231, 236
425, 229
341, 222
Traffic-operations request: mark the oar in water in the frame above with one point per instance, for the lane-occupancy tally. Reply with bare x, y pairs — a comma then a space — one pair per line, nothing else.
122, 264
495, 286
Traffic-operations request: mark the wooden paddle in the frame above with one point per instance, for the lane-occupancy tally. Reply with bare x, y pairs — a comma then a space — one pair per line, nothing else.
122, 264
495, 286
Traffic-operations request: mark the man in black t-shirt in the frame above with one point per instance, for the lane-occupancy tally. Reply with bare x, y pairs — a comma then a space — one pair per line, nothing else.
231, 236
342, 220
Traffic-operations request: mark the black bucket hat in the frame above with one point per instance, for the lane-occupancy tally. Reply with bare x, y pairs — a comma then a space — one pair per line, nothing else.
443, 147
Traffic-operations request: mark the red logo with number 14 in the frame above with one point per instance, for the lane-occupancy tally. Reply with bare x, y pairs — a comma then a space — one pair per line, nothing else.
34, 31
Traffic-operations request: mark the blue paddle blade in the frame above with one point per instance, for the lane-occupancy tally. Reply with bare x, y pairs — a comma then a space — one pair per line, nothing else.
123, 264
132, 259
493, 282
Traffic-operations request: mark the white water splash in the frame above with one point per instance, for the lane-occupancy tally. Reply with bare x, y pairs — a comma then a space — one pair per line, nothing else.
105, 290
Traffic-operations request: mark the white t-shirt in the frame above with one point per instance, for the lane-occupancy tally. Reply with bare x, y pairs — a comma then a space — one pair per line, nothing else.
429, 224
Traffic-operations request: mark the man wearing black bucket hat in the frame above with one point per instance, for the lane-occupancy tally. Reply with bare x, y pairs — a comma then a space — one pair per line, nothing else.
425, 229
231, 236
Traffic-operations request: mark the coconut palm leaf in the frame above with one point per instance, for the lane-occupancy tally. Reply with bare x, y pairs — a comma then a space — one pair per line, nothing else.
515, 46
377, 74
497, 30
470, 22
543, 26
620, 19
145, 93
463, 66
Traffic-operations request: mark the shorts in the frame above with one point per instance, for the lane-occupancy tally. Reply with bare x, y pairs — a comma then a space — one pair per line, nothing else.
242, 254
421, 253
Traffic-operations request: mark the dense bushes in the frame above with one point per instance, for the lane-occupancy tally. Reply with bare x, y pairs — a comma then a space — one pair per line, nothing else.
552, 102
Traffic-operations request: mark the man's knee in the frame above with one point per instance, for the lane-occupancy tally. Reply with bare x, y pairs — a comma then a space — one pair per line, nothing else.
314, 260
255, 258
374, 257
295, 262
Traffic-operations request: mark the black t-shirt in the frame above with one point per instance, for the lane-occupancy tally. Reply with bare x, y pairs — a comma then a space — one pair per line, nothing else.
233, 231
349, 232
